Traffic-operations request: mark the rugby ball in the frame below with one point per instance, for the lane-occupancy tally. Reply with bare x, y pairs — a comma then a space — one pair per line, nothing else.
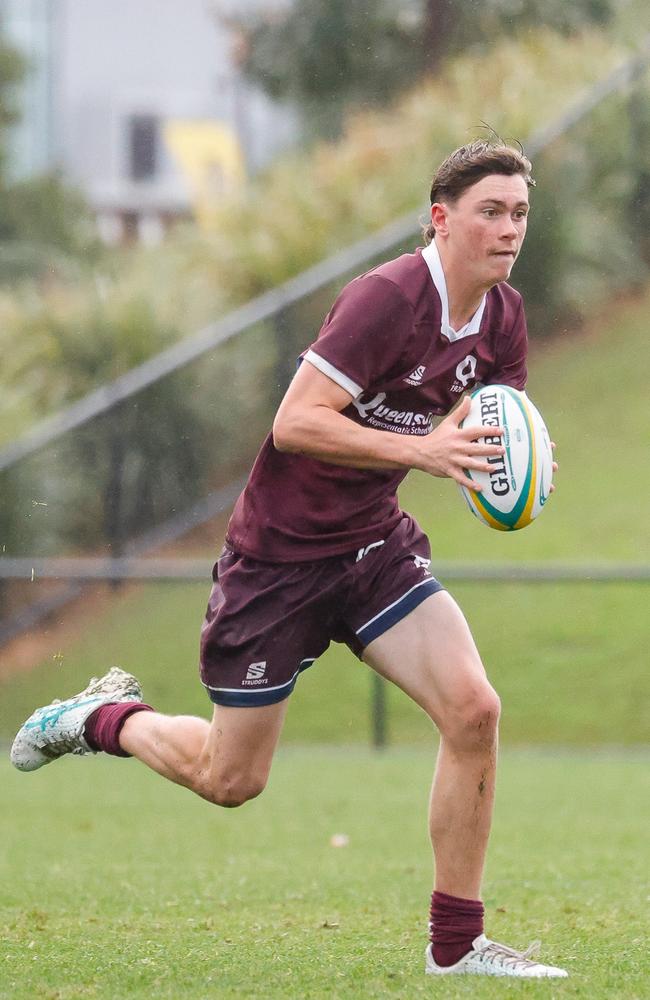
516, 489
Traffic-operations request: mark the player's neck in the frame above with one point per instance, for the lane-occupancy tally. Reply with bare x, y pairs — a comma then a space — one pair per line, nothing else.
464, 293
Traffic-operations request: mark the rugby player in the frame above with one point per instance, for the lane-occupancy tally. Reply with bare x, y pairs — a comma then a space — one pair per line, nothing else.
317, 548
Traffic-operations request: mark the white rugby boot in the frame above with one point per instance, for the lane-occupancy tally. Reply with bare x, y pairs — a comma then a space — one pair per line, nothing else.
489, 958
58, 728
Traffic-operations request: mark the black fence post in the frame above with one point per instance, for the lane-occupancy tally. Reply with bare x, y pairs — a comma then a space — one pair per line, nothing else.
379, 721
638, 107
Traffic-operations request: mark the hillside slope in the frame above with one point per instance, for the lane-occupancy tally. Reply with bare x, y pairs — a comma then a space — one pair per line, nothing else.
568, 659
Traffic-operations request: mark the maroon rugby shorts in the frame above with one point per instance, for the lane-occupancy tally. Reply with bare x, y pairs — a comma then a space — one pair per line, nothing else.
267, 622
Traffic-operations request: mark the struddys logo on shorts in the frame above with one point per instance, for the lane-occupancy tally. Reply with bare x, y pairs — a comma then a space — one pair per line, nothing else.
255, 674
377, 413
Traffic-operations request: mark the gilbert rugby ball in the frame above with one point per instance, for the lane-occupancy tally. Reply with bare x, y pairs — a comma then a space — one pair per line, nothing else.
518, 485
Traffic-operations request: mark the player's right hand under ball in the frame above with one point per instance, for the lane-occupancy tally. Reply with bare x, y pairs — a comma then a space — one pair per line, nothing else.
450, 449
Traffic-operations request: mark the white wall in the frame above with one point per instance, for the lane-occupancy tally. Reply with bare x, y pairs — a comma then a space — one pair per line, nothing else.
110, 59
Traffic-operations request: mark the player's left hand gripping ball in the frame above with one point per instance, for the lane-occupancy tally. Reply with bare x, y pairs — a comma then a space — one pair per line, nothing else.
516, 489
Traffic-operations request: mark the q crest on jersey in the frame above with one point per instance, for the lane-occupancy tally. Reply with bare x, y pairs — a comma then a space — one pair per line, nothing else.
465, 373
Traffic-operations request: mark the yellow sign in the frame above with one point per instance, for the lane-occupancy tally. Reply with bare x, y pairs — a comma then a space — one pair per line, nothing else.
210, 156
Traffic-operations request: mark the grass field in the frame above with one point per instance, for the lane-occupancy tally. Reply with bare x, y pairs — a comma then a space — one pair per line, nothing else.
118, 885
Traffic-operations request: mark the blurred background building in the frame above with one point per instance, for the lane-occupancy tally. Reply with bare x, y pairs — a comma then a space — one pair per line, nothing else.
141, 104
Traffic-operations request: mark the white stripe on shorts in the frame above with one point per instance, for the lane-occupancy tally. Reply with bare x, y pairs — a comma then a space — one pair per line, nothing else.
254, 690
388, 607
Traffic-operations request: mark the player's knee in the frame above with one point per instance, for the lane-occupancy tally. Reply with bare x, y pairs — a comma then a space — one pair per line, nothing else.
231, 791
473, 723
483, 717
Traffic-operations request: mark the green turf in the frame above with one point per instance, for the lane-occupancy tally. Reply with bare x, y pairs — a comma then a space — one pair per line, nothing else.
117, 884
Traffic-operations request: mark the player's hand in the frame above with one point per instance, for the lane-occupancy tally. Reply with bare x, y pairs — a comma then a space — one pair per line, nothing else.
450, 449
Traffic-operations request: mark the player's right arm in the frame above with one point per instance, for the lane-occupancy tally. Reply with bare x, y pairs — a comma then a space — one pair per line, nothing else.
309, 422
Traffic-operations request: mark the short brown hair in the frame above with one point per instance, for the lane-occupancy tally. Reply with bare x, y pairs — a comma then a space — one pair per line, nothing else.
469, 164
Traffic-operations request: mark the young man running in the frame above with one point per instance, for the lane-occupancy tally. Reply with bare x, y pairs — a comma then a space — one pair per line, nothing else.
317, 548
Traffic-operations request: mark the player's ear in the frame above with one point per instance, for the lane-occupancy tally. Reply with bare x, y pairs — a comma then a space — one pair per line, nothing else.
439, 218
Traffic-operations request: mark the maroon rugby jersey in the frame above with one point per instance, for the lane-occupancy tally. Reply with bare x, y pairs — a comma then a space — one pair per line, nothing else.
383, 342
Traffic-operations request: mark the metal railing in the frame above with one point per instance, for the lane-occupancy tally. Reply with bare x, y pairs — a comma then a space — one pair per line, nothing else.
177, 568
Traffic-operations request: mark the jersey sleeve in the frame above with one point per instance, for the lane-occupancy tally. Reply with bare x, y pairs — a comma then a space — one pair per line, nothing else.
510, 366
364, 335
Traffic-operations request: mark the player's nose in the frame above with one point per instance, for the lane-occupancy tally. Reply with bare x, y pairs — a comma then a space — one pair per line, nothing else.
509, 230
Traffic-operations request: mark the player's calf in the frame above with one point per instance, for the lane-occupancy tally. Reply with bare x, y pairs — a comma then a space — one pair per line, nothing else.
182, 749
226, 762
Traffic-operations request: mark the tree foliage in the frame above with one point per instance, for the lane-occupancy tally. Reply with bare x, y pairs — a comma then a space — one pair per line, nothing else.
12, 72
328, 54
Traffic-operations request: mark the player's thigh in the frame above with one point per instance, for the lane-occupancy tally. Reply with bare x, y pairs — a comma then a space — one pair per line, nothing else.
239, 750
431, 655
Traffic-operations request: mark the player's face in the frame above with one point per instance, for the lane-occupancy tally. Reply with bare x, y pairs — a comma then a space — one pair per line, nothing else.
485, 227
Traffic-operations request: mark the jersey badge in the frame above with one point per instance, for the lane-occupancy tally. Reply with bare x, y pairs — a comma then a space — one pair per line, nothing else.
465, 373
415, 378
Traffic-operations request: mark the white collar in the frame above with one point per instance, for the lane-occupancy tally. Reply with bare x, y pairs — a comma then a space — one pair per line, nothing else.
431, 255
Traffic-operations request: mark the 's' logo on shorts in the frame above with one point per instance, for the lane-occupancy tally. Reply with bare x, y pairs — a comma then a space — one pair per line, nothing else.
255, 673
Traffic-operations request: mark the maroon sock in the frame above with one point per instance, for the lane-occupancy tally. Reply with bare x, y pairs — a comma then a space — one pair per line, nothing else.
102, 729
454, 924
